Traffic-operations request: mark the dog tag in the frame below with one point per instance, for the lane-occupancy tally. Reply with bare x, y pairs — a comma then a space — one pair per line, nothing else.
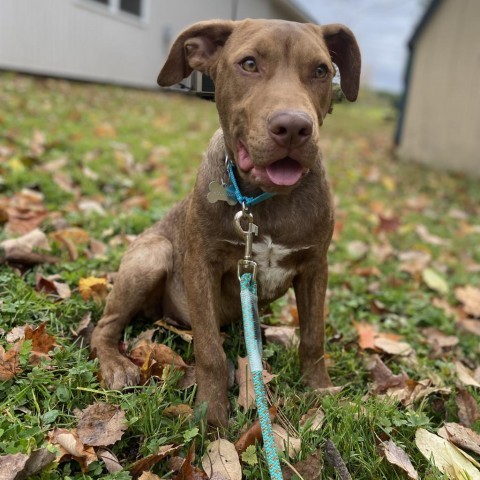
218, 193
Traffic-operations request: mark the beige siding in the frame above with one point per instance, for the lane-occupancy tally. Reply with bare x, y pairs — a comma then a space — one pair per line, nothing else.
84, 40
442, 116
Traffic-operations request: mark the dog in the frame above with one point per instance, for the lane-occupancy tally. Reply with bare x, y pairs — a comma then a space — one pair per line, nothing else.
273, 90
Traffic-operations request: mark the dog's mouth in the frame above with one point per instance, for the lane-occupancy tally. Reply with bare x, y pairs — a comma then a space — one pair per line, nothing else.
284, 172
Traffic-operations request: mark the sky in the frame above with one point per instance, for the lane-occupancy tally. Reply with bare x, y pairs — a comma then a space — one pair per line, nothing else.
382, 29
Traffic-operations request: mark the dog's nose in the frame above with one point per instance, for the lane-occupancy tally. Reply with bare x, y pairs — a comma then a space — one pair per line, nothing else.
290, 128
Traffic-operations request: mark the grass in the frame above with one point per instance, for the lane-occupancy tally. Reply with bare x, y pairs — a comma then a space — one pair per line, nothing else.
136, 153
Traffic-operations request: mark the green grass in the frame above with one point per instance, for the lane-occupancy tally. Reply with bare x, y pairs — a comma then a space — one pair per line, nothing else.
120, 144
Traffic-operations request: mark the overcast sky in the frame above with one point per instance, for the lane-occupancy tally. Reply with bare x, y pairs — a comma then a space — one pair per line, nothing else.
382, 28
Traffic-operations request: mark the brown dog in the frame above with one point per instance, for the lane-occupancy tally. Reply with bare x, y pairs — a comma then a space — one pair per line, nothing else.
273, 83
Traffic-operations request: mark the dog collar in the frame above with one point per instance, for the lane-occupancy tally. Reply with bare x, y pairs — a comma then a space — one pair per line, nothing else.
233, 190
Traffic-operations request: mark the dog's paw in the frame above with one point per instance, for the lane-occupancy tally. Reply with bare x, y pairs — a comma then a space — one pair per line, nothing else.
217, 411
317, 379
119, 373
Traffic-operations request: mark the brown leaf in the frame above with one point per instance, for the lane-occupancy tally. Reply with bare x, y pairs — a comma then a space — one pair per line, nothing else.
392, 347
149, 476
188, 471
397, 456
246, 394
314, 419
471, 326
20, 466
70, 446
427, 237
387, 223
254, 433
9, 364
470, 297
93, 287
309, 469
147, 463
112, 463
221, 459
84, 329
465, 375
70, 238
461, 436
42, 342
285, 442
468, 408
282, 335
11, 464
50, 286
154, 357
366, 335
26, 211
180, 410
105, 130
383, 377
186, 335
101, 424
414, 261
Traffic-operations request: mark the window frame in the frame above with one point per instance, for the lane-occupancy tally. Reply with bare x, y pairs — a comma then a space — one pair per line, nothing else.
113, 10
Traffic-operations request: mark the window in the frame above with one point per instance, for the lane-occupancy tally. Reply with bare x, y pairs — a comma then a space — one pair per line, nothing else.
131, 6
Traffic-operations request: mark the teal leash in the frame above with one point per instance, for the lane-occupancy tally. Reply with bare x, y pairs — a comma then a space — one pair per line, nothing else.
247, 270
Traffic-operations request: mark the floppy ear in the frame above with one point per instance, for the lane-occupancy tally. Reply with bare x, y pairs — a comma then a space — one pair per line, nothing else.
196, 48
345, 54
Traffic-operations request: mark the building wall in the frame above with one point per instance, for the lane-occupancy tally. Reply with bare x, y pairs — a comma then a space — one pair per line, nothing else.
442, 115
83, 40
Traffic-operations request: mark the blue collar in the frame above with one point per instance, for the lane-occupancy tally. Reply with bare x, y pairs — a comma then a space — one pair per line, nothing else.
233, 191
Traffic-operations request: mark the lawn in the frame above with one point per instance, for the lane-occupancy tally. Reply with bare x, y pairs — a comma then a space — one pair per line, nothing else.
88, 167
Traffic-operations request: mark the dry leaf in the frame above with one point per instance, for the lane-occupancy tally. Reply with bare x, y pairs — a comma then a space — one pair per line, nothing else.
254, 433
465, 375
427, 237
438, 339
471, 326
468, 408
434, 281
149, 476
84, 329
26, 211
246, 394
461, 436
222, 458
50, 286
445, 456
188, 471
392, 347
414, 261
313, 419
282, 335
383, 377
101, 424
147, 463
357, 250
309, 469
366, 335
112, 463
20, 250
93, 287
181, 410
285, 442
9, 364
397, 456
186, 335
12, 464
470, 297
42, 342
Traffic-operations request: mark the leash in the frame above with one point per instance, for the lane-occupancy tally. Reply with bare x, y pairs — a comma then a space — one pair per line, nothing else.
247, 271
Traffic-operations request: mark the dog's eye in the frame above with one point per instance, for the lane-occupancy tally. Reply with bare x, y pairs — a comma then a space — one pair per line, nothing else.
321, 71
249, 64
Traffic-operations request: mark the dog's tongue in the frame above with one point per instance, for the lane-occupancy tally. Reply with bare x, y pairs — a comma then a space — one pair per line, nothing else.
284, 172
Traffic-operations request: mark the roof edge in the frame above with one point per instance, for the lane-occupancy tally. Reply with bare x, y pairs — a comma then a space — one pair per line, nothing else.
427, 16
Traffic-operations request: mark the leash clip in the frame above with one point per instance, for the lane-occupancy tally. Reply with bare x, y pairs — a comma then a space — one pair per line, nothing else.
246, 265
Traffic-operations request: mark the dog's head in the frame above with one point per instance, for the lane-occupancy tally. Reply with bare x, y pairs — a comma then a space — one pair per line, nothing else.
273, 88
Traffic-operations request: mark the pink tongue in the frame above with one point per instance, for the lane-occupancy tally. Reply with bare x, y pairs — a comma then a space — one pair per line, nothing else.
284, 172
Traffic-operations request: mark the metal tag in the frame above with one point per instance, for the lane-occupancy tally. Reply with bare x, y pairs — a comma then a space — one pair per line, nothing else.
218, 193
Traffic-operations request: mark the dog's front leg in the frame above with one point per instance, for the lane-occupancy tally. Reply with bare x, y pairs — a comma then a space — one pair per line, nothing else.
310, 288
202, 284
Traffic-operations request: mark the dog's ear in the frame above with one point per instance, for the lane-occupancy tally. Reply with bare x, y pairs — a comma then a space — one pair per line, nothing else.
345, 54
196, 48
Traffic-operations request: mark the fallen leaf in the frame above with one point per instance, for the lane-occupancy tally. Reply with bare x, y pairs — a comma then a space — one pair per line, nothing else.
309, 469
246, 394
434, 281
188, 471
471, 326
84, 329
387, 223
93, 288
465, 375
383, 377
445, 456
180, 410
20, 250
392, 347
112, 463
186, 335
427, 237
70, 446
254, 433
282, 335
461, 436
105, 130
397, 456
11, 464
42, 342
357, 250
50, 286
154, 357
414, 261
366, 335
70, 239
468, 408
449, 311
470, 297
147, 463
285, 442
26, 211
313, 419
149, 476
9, 364
222, 458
